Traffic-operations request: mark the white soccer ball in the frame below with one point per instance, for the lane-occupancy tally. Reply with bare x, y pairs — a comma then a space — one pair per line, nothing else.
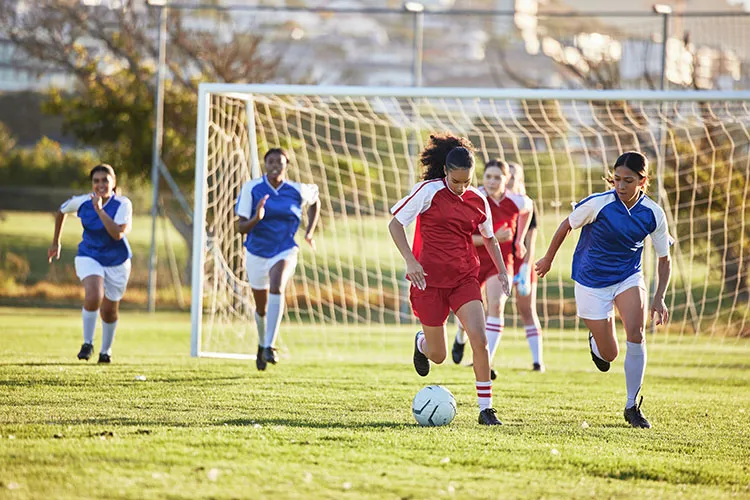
434, 406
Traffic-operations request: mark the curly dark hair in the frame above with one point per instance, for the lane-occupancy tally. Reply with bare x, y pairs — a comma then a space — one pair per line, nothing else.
434, 155
280, 151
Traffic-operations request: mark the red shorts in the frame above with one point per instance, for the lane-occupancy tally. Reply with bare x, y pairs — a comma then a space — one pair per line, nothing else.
487, 268
433, 305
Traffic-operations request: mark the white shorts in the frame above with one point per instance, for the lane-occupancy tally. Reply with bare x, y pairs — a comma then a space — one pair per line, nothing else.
115, 277
258, 267
599, 303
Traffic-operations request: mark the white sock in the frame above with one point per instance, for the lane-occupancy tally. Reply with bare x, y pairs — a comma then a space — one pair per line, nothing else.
89, 325
461, 336
260, 323
595, 348
494, 331
108, 337
635, 367
534, 338
484, 394
420, 342
275, 311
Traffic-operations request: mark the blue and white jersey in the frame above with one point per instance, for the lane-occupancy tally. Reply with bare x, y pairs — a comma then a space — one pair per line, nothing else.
275, 232
611, 243
96, 242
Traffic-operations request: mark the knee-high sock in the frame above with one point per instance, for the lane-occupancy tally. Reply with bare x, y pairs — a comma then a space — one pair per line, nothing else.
484, 394
635, 367
494, 331
89, 325
534, 338
260, 323
108, 337
275, 311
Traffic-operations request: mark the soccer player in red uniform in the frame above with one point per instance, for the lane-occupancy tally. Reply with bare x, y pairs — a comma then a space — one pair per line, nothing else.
510, 215
443, 267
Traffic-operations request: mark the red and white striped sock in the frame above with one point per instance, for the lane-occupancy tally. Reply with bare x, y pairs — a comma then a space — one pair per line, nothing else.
484, 394
534, 338
494, 331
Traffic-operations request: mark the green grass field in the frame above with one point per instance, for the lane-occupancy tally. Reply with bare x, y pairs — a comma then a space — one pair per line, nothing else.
333, 419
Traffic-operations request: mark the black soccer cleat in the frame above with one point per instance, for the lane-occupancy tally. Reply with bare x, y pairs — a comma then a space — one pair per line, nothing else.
634, 416
421, 363
488, 416
538, 367
601, 364
260, 363
104, 358
493, 375
458, 351
86, 351
269, 355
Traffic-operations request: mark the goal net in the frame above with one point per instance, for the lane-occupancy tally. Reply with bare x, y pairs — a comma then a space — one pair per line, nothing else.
361, 146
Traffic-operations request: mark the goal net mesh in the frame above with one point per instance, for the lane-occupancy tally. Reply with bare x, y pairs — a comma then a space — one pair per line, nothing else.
362, 152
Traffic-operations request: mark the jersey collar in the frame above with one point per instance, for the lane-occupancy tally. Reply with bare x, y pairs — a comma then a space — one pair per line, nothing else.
629, 210
275, 190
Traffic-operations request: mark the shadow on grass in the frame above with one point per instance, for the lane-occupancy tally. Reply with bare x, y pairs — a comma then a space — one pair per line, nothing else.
290, 422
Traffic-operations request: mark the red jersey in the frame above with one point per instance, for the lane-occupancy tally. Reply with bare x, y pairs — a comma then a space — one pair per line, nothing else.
505, 215
445, 224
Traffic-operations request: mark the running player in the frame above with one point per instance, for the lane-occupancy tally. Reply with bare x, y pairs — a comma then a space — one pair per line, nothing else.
443, 267
103, 259
270, 212
607, 270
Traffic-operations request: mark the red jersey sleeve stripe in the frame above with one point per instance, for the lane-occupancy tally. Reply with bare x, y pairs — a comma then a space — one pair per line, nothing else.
407, 200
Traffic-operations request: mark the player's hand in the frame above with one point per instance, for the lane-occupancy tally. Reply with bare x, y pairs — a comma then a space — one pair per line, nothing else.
311, 241
503, 235
504, 283
415, 273
53, 252
543, 266
96, 200
659, 311
260, 208
520, 250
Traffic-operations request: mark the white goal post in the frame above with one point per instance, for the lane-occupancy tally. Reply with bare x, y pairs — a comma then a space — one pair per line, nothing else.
361, 146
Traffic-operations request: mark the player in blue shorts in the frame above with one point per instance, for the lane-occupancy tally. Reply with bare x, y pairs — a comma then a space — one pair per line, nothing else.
607, 270
103, 259
270, 211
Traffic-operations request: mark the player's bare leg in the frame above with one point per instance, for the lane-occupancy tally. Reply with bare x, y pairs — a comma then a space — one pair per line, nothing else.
602, 342
495, 321
471, 316
93, 293
632, 305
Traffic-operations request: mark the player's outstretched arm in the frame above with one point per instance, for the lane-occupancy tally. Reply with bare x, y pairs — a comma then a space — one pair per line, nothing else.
659, 311
53, 252
414, 270
493, 248
544, 264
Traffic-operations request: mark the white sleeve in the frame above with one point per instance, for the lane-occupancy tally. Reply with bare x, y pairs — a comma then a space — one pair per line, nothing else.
73, 204
309, 193
660, 236
419, 200
485, 228
124, 214
244, 206
523, 202
586, 211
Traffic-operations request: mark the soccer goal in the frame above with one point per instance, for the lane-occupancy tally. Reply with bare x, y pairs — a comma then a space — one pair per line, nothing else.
360, 145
